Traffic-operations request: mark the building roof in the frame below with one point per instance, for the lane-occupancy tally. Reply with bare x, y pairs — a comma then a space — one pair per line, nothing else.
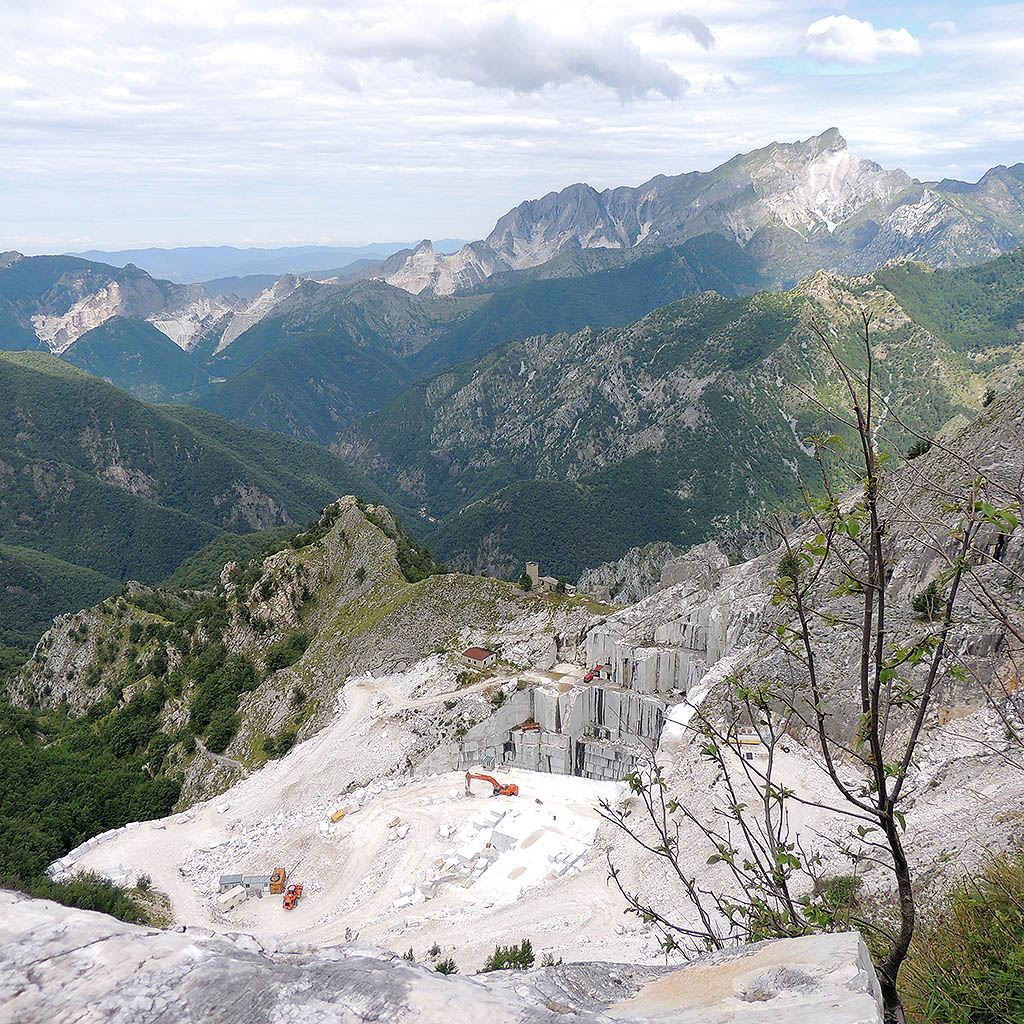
477, 653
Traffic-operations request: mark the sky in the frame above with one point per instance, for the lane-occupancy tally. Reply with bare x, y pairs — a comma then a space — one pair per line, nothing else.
343, 122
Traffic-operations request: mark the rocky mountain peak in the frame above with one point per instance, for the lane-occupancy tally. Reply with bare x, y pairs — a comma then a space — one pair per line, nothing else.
800, 205
830, 140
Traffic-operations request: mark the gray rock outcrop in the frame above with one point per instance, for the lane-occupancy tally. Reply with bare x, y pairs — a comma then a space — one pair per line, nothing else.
67, 966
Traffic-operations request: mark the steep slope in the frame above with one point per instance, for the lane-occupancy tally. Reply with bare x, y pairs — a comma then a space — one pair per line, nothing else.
686, 425
794, 207
190, 691
92, 476
576, 291
34, 586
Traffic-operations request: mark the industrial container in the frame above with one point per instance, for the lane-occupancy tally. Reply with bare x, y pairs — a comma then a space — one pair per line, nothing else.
225, 901
277, 880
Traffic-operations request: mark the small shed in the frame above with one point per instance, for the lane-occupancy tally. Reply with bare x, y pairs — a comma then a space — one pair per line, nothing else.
256, 883
229, 882
479, 657
225, 901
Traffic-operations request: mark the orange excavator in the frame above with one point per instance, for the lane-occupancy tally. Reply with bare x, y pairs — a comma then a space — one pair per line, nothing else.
498, 789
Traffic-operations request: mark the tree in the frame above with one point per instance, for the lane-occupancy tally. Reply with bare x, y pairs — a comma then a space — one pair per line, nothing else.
525, 583
507, 958
831, 590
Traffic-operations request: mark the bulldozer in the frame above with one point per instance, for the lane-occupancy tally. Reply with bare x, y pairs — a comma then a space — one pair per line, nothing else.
292, 896
497, 788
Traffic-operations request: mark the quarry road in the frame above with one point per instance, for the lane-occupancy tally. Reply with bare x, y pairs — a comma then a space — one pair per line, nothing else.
228, 762
409, 703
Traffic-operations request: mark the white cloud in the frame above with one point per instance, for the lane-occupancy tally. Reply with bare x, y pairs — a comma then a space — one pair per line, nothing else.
943, 28
687, 24
840, 39
284, 121
511, 52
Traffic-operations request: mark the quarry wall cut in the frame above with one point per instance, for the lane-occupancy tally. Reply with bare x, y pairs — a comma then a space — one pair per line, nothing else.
642, 661
592, 731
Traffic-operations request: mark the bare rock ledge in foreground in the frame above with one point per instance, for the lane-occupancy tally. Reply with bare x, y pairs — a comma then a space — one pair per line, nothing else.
59, 965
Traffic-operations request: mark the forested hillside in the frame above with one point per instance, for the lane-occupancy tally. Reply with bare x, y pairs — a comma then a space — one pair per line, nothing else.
98, 486
688, 424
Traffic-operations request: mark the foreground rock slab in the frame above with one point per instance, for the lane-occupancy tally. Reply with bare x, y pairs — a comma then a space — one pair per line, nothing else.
65, 966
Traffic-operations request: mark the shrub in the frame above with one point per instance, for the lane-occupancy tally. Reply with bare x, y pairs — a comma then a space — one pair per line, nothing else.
509, 958
89, 892
285, 739
990, 396
525, 583
222, 680
157, 664
447, 966
918, 448
967, 962
789, 566
298, 696
929, 601
286, 652
222, 729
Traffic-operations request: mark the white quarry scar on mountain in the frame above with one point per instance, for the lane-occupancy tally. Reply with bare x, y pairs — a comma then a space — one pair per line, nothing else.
185, 321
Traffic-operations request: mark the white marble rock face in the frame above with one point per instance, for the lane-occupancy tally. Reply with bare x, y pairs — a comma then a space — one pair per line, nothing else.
65, 966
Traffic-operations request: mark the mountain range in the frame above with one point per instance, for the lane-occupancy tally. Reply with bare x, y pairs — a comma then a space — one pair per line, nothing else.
612, 372
793, 207
97, 487
689, 423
